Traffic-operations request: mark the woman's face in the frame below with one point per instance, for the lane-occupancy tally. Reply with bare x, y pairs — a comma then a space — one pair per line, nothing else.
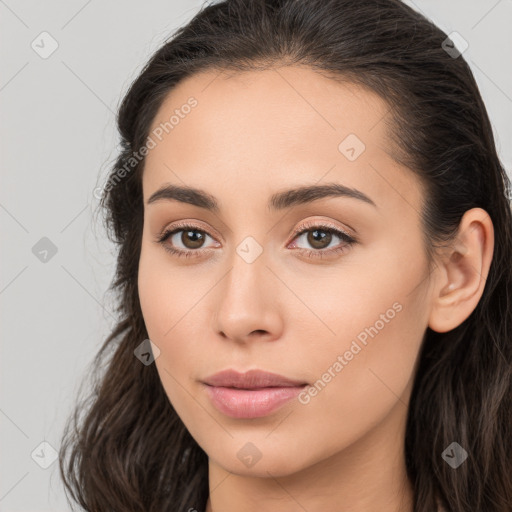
249, 291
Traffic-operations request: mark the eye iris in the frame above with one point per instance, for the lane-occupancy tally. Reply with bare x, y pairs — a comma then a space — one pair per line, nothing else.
195, 240
314, 240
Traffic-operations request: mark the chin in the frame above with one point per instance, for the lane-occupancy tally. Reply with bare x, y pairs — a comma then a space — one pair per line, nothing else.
267, 460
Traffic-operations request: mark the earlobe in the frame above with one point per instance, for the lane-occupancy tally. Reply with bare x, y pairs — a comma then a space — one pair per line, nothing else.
462, 272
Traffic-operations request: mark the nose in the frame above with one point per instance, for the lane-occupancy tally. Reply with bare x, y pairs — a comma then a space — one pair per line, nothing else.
247, 302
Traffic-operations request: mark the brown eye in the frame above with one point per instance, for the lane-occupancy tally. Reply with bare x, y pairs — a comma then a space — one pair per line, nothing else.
192, 239
319, 238
184, 240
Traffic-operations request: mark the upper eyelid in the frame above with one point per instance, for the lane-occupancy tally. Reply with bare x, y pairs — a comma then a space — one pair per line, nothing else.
183, 226
308, 225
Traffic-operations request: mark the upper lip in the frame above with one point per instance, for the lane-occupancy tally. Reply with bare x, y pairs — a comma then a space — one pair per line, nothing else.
252, 379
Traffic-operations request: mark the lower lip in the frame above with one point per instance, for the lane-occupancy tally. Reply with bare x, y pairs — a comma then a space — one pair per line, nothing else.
250, 403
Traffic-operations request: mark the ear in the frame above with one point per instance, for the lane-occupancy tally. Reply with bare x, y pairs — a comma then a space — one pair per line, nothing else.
462, 271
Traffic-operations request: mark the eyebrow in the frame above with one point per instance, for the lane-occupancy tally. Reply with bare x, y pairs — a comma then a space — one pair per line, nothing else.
278, 201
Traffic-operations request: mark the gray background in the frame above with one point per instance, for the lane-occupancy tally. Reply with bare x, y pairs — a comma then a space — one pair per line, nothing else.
57, 140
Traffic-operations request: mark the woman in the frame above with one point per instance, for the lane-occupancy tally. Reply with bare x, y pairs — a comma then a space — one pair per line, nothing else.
314, 273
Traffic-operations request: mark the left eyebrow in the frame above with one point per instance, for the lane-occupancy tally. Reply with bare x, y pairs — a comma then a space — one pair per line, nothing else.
278, 201
310, 193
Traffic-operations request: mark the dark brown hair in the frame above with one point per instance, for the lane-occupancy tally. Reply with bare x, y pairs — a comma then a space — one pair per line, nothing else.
125, 448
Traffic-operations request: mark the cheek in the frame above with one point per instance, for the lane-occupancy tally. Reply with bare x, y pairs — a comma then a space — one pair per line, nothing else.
156, 297
163, 304
165, 295
361, 374
364, 360
171, 302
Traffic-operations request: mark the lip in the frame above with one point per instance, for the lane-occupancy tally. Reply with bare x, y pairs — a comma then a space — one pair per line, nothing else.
252, 394
253, 379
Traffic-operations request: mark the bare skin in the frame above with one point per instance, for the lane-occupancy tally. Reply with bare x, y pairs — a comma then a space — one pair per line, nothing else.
250, 136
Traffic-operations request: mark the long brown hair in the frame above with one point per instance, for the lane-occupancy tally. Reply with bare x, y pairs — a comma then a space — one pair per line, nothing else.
125, 448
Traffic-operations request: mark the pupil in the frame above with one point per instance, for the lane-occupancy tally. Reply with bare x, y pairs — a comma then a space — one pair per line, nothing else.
195, 238
318, 238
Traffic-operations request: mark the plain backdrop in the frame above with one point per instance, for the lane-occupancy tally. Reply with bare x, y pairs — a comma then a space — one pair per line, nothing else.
58, 139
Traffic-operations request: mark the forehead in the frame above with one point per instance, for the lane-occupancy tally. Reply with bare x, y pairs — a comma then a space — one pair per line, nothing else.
266, 130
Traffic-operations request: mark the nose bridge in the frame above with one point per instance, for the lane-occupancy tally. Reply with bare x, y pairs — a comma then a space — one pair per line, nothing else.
247, 298
243, 290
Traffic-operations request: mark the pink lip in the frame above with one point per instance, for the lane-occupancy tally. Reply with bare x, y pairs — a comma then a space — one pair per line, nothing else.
252, 379
252, 394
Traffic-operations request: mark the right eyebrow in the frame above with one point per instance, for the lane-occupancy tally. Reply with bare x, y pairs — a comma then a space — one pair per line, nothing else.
185, 194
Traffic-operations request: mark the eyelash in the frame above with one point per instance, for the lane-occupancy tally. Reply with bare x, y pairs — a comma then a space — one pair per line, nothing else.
306, 227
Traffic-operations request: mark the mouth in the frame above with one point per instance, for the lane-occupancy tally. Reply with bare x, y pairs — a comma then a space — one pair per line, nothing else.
253, 394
